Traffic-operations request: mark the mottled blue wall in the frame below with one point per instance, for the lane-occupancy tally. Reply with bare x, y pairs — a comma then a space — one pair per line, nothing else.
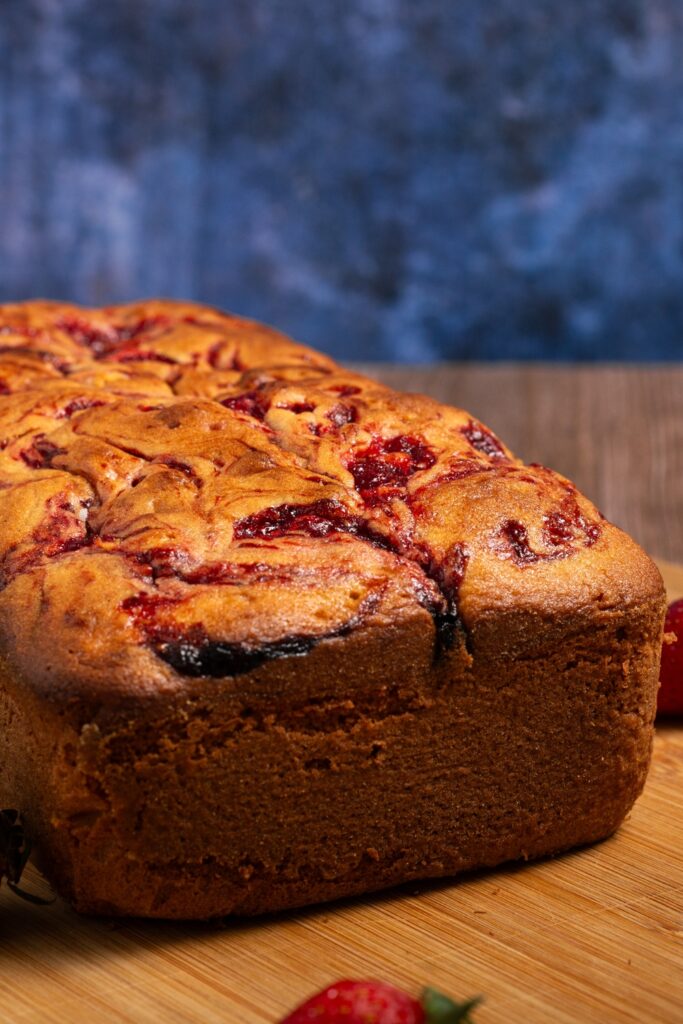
407, 179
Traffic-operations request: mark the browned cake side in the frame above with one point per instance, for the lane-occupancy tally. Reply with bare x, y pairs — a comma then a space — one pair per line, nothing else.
272, 633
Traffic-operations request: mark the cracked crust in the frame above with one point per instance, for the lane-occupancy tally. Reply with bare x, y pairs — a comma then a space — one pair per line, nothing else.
200, 514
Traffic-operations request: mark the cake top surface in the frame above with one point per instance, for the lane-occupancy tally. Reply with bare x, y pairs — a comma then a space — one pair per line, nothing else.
186, 493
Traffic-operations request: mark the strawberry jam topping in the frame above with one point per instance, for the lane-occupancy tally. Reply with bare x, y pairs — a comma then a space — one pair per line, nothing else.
196, 655
41, 453
344, 390
100, 341
253, 403
318, 519
221, 355
64, 528
448, 574
136, 355
562, 527
563, 531
451, 572
191, 652
517, 538
482, 440
341, 414
144, 608
103, 341
382, 470
336, 418
298, 407
78, 405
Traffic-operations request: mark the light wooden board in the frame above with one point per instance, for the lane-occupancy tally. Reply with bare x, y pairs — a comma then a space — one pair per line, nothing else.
594, 936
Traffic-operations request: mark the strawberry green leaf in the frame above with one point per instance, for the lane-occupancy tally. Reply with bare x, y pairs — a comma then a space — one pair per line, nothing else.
439, 1009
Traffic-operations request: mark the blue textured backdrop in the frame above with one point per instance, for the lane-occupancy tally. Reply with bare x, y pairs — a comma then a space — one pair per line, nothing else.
382, 178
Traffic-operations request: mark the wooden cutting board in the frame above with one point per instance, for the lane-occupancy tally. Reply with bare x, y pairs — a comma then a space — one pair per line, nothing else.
596, 935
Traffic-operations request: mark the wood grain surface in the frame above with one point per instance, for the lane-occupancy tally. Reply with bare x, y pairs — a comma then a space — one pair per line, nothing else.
594, 936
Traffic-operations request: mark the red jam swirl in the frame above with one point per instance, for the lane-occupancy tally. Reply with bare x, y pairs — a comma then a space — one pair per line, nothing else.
317, 519
483, 440
382, 470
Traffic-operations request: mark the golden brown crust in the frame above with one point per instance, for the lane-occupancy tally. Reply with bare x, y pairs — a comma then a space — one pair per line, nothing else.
197, 462
194, 505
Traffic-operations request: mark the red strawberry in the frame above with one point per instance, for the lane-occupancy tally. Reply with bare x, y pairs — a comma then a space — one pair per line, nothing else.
670, 699
374, 1002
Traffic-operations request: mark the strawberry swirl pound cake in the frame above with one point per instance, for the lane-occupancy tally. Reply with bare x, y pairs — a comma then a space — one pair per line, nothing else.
272, 633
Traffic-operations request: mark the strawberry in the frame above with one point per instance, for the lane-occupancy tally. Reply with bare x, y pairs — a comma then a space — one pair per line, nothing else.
670, 699
375, 1002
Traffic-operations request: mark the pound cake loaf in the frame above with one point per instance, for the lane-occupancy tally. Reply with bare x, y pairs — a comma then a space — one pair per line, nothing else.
272, 633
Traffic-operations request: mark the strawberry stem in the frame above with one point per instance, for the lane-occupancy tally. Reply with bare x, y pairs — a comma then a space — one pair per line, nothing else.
439, 1009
